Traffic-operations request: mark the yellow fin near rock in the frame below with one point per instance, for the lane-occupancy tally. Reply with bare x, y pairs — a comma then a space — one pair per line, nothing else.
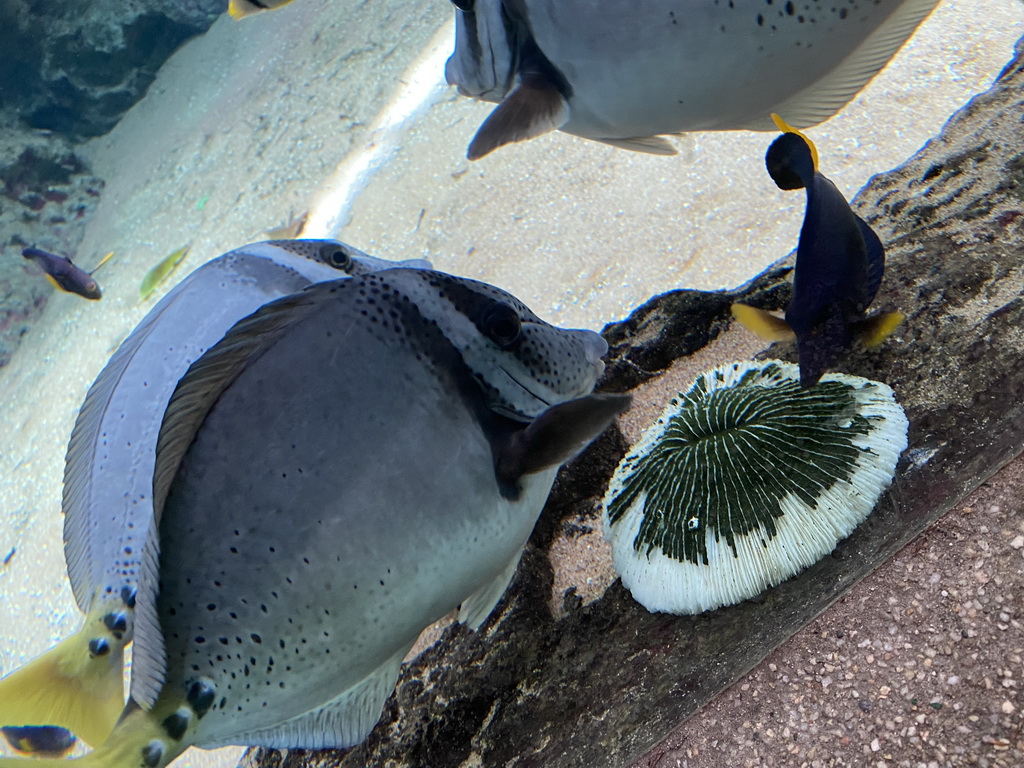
764, 324
787, 128
874, 330
76, 685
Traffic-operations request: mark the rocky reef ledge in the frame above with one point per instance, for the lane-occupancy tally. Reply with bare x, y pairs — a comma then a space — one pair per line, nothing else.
570, 671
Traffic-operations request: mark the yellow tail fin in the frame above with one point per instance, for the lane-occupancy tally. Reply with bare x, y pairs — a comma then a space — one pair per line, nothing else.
69, 686
877, 329
764, 324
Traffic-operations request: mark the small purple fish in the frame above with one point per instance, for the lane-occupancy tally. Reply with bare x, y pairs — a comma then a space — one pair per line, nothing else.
64, 274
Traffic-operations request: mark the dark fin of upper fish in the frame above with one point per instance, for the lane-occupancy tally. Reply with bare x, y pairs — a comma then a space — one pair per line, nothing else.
538, 104
64, 275
764, 324
532, 109
876, 258
557, 435
872, 331
824, 98
39, 740
790, 161
195, 394
77, 685
651, 145
341, 722
475, 609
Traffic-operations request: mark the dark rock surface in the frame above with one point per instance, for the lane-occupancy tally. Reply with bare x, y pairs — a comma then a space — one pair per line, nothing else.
46, 196
602, 683
75, 68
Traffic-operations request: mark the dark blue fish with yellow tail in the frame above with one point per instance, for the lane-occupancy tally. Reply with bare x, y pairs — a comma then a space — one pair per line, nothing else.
108, 479
64, 275
410, 425
839, 267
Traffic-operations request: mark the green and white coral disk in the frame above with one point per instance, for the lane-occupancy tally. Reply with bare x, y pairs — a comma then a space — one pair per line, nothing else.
747, 479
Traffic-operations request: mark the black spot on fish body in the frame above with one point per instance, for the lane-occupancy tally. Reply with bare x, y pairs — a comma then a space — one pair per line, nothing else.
152, 754
200, 696
176, 724
99, 646
117, 623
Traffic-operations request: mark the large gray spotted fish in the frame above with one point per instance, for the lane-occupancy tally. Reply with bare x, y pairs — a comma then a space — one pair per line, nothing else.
625, 73
346, 466
108, 478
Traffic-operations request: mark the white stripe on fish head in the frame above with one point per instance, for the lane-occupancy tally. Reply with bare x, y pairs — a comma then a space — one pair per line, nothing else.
484, 62
344, 258
523, 364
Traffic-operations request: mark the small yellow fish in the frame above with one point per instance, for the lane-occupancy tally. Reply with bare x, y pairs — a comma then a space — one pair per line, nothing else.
160, 272
239, 9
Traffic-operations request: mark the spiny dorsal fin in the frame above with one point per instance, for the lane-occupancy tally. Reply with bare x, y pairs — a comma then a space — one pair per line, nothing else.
651, 145
532, 109
214, 372
557, 435
764, 324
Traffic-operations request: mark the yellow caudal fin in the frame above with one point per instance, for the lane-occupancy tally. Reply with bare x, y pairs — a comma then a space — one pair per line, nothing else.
874, 330
764, 324
76, 685
785, 127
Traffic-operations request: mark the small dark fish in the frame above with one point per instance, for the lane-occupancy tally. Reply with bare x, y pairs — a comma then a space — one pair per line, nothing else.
39, 740
839, 266
9, 556
64, 274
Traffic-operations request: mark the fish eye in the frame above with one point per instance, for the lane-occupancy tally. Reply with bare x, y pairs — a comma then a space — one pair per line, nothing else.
501, 325
336, 256
464, 5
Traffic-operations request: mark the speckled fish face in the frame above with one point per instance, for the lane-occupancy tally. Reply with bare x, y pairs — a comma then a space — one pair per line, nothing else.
524, 364
484, 62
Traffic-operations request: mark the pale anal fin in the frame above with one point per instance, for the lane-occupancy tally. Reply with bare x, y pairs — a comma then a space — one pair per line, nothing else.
341, 722
477, 607
651, 145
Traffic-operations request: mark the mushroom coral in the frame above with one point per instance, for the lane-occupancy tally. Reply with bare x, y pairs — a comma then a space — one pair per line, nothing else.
745, 480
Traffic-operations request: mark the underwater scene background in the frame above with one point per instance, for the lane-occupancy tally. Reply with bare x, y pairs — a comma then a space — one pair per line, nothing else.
337, 111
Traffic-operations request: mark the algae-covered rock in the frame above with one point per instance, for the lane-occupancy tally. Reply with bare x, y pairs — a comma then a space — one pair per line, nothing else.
570, 671
75, 68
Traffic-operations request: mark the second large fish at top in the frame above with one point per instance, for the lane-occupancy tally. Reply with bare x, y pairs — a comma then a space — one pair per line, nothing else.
625, 73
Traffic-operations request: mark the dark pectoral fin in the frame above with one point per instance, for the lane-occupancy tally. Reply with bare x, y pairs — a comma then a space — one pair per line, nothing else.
532, 108
557, 435
876, 258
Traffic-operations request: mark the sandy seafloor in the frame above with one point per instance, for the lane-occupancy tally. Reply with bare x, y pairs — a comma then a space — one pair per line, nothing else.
245, 126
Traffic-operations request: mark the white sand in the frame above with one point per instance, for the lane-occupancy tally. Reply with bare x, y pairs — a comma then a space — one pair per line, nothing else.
243, 126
